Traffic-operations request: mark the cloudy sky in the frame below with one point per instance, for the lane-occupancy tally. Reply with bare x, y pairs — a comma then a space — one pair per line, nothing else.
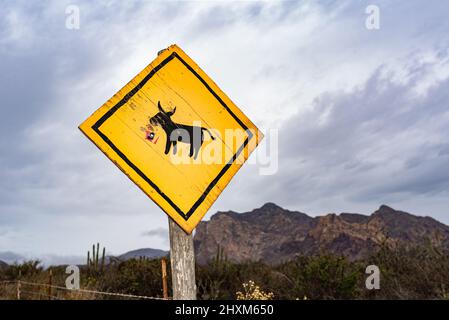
362, 115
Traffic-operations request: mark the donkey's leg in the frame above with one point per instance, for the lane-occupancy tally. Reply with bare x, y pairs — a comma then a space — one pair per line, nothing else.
197, 149
167, 145
175, 146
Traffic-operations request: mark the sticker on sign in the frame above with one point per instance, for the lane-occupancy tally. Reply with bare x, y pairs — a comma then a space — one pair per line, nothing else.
175, 134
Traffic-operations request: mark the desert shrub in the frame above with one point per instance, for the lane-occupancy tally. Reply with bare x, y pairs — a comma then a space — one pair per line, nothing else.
221, 278
216, 280
321, 277
135, 276
418, 272
251, 291
26, 269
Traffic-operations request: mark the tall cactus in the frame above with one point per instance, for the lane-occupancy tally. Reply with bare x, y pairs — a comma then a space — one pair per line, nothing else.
95, 264
103, 259
220, 257
96, 257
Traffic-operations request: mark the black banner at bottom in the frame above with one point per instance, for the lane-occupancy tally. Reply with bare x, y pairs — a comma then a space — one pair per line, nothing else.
160, 309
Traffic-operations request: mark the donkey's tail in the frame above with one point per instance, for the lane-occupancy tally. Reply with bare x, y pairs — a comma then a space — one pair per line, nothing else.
210, 134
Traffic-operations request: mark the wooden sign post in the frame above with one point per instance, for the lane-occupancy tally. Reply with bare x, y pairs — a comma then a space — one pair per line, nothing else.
178, 137
182, 258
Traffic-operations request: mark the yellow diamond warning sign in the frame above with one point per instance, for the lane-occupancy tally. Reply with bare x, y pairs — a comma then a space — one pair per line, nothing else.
175, 134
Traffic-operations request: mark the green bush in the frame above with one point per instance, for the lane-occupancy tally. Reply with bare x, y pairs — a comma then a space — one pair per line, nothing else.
26, 269
135, 276
321, 277
411, 273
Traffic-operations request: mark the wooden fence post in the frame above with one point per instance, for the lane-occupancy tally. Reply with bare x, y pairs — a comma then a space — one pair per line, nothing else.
182, 258
18, 289
50, 284
164, 278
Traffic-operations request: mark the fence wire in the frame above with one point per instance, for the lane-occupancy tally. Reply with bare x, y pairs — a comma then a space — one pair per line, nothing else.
16, 286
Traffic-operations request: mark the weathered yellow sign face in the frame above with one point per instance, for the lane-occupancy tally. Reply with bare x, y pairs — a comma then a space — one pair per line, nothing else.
175, 134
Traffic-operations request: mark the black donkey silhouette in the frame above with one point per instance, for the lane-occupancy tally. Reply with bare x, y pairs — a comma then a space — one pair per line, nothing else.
177, 132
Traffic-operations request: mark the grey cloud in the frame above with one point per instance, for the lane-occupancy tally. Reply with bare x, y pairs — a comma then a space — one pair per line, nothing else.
443, 150
47, 260
57, 260
158, 232
371, 144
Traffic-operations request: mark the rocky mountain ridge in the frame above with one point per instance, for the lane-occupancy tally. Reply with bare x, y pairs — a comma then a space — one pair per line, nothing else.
273, 234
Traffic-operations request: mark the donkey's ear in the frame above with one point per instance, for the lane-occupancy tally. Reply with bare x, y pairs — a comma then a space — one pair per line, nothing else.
170, 113
160, 107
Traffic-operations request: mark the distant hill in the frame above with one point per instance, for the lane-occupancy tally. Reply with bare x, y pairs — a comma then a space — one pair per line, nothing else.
3, 264
273, 234
145, 252
11, 257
